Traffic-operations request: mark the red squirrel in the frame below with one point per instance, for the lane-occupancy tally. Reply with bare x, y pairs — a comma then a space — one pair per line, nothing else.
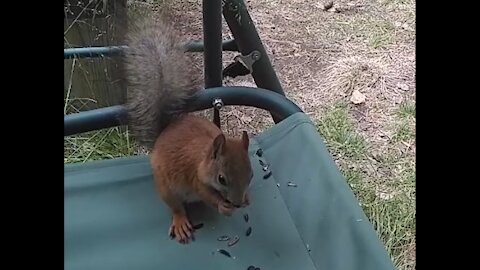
192, 160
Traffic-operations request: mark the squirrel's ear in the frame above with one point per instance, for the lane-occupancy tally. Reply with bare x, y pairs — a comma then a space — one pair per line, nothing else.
218, 144
245, 140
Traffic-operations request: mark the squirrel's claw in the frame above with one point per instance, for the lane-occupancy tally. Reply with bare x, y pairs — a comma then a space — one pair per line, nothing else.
181, 229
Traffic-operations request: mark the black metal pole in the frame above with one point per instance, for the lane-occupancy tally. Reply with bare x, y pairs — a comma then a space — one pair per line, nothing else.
212, 40
94, 119
246, 36
198, 46
231, 96
93, 51
82, 52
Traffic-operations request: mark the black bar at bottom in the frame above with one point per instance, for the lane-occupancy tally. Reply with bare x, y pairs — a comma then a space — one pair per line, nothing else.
231, 96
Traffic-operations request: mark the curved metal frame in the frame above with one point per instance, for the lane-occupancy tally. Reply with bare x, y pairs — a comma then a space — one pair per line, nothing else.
113, 116
268, 96
83, 52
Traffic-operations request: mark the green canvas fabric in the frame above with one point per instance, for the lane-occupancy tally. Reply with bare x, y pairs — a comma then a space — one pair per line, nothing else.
114, 219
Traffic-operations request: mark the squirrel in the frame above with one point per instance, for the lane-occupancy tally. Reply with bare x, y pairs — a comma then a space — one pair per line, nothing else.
191, 158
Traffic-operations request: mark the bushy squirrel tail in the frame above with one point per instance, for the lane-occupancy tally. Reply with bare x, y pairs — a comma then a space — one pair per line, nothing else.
160, 77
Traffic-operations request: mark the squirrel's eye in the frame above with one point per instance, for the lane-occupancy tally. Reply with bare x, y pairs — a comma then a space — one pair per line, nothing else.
221, 180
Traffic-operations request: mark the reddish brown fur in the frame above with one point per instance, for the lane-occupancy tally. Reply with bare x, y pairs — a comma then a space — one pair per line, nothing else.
184, 166
190, 155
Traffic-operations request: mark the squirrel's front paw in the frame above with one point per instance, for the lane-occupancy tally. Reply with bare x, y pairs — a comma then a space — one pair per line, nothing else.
181, 228
246, 200
225, 208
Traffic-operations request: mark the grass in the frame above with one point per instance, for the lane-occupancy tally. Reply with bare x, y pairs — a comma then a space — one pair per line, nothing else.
376, 32
406, 109
386, 192
404, 127
403, 132
96, 145
339, 133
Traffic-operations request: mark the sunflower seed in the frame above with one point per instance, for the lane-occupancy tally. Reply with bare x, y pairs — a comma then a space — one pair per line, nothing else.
234, 241
223, 238
249, 231
263, 164
224, 252
198, 226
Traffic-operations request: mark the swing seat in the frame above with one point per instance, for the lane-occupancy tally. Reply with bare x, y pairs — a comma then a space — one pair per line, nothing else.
304, 216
